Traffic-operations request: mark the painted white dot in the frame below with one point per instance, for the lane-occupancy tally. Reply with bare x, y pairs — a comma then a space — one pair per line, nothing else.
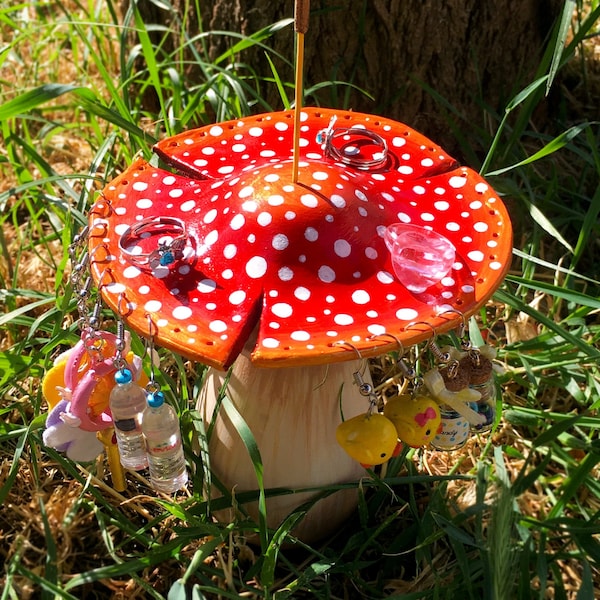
144, 289
475, 205
419, 189
476, 255
309, 200
302, 293
250, 206
371, 253
343, 319
211, 238
300, 336
385, 277
480, 226
237, 222
238, 147
207, 151
372, 314
405, 170
311, 234
255, 131
152, 306
280, 241
169, 180
245, 192
131, 272
216, 131
406, 314
230, 251
376, 329
275, 200
211, 215
140, 186
264, 219
495, 265
282, 310
427, 162
206, 286
338, 201
237, 297
270, 343
360, 297
187, 206
144, 203
176, 193
452, 226
457, 181
398, 142
227, 274
441, 205
326, 274
285, 274
271, 178
467, 289
256, 267
182, 312
320, 175
342, 248
201, 162
481, 187
447, 281
427, 217
217, 326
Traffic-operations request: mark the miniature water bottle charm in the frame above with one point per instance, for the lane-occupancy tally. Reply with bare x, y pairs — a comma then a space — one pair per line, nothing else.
166, 460
127, 403
482, 380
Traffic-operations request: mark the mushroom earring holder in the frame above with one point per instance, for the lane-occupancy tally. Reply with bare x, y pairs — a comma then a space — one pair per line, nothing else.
237, 265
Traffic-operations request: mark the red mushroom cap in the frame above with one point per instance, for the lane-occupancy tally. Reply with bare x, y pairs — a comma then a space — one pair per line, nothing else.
307, 262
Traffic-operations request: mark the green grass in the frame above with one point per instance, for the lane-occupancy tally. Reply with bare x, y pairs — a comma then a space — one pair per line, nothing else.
509, 524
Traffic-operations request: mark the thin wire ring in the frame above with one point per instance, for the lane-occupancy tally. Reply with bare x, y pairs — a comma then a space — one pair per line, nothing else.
165, 253
339, 153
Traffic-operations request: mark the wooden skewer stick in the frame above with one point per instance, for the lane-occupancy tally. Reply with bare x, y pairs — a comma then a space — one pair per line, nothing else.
301, 14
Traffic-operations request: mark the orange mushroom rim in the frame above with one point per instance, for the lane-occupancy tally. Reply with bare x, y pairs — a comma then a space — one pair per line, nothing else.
299, 267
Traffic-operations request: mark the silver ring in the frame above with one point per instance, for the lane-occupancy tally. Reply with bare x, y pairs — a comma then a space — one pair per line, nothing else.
156, 242
344, 144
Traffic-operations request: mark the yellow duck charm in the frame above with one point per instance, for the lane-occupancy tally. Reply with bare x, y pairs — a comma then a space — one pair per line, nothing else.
417, 420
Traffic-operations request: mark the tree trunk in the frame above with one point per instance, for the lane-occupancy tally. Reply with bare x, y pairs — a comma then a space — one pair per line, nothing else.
473, 54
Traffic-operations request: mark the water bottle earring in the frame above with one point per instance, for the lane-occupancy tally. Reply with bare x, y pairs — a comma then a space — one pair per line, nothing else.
369, 438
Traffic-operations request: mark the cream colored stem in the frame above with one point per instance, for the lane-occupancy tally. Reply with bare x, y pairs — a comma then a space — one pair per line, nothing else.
293, 414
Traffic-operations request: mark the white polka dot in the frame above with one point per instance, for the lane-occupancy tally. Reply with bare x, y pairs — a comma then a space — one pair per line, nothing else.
342, 248
302, 293
182, 312
419, 189
176, 193
140, 186
476, 255
427, 162
480, 226
237, 222
152, 306
385, 277
326, 274
206, 286
144, 203
245, 192
405, 170
256, 267
282, 310
285, 274
457, 181
309, 200
238, 147
207, 151
264, 219
271, 178
275, 200
441, 205
255, 131
169, 180
427, 217
481, 187
311, 234
280, 241
343, 319
360, 297
217, 326
467, 289
371, 253
270, 343
250, 206
144, 289
452, 226
230, 251
320, 175
338, 201
495, 265
216, 130
406, 314
227, 274
237, 297
300, 336
131, 272
398, 142
187, 206
376, 329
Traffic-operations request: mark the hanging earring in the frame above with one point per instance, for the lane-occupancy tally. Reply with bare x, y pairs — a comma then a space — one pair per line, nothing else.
370, 438
414, 413
455, 412
478, 363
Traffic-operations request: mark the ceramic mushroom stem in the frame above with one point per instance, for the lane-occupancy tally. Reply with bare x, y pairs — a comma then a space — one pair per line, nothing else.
221, 243
293, 413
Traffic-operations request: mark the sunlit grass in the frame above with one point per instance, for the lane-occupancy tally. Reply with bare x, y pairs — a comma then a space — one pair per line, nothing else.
513, 516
